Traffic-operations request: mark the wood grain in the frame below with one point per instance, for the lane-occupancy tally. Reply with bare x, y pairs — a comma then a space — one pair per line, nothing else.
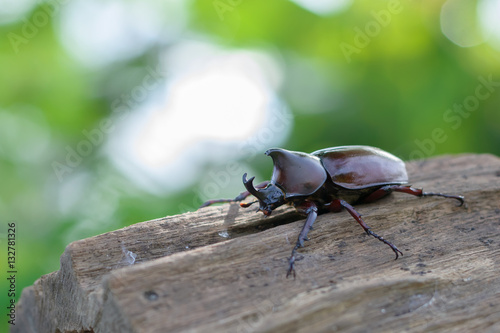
222, 269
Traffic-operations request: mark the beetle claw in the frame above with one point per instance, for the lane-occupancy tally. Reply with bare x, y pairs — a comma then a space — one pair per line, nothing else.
380, 238
460, 198
396, 250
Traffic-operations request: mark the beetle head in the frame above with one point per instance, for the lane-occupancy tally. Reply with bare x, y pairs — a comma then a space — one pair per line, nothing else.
270, 197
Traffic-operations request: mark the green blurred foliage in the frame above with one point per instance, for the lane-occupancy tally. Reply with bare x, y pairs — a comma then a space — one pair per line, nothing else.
392, 93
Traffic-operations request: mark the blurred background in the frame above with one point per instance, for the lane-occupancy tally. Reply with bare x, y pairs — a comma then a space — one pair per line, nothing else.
114, 112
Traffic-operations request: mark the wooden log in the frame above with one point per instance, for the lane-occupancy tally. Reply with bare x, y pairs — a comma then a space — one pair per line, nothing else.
222, 269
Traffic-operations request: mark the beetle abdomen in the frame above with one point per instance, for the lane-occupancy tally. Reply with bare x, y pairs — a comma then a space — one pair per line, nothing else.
356, 167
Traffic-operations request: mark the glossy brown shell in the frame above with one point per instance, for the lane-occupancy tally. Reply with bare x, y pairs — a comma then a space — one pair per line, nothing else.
357, 167
296, 173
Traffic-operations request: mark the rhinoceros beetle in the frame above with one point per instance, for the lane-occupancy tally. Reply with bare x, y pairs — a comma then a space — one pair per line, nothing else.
329, 180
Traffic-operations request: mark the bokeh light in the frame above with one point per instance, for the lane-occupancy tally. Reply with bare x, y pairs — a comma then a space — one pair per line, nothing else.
213, 100
99, 33
489, 20
459, 22
14, 10
324, 7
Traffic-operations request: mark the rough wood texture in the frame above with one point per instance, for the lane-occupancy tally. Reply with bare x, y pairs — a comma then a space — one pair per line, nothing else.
188, 277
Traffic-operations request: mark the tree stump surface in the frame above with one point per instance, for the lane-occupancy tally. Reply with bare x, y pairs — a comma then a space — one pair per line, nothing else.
222, 268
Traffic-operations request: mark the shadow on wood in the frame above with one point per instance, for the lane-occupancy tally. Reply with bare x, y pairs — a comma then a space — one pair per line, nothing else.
222, 269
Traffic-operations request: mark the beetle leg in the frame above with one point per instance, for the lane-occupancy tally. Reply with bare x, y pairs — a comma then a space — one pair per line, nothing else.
214, 201
362, 223
460, 198
383, 191
312, 213
242, 196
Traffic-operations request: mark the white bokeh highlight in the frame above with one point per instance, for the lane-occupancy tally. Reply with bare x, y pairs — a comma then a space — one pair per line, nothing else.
212, 102
489, 20
324, 7
98, 33
459, 23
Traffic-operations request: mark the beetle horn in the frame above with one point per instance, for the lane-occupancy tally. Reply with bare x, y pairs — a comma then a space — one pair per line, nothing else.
250, 188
